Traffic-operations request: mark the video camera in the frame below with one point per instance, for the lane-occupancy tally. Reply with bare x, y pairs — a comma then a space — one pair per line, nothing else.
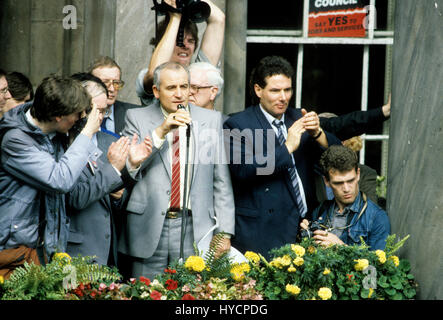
193, 10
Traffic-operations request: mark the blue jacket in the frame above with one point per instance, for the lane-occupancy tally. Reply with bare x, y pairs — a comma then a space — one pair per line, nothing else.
266, 215
35, 174
373, 224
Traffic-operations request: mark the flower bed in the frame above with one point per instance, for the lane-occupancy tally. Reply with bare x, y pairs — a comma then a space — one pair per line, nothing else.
296, 271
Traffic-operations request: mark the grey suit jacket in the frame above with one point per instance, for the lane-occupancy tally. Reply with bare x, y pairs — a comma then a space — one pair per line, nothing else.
92, 230
210, 192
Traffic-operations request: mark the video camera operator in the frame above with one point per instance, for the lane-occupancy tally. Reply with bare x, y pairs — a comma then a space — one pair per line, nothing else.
350, 215
166, 48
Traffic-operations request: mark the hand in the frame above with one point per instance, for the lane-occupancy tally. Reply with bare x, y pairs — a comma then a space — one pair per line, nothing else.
118, 152
118, 194
326, 238
179, 118
304, 224
223, 246
139, 152
294, 135
95, 118
387, 108
311, 122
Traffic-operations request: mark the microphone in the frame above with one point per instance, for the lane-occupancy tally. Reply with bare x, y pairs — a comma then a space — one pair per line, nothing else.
188, 125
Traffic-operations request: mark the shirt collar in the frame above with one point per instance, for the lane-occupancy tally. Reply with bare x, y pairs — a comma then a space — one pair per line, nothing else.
166, 113
270, 117
353, 207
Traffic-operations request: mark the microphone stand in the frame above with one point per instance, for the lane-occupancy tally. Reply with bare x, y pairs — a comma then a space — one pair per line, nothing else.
185, 210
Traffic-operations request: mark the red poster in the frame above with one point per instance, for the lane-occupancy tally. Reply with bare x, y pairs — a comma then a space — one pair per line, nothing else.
337, 18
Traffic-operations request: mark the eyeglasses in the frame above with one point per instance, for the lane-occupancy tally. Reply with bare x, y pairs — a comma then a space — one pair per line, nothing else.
118, 84
194, 88
4, 90
105, 112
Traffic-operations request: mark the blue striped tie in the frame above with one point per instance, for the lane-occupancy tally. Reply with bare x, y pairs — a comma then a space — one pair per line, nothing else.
292, 171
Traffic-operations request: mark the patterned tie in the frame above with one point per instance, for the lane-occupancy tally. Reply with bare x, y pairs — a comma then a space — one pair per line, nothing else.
292, 171
175, 183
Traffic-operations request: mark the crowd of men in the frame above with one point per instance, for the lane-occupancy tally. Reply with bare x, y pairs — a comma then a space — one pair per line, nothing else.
136, 186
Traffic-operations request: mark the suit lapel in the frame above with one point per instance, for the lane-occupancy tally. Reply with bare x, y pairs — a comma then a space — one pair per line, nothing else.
156, 118
201, 122
104, 140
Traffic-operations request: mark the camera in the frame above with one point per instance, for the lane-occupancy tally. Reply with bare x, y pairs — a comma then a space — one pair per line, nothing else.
309, 233
191, 10
194, 10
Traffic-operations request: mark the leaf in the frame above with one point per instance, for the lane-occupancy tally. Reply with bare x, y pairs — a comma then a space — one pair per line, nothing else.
391, 291
410, 293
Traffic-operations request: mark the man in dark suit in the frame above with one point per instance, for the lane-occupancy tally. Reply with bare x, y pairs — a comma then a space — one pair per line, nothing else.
108, 71
95, 199
272, 152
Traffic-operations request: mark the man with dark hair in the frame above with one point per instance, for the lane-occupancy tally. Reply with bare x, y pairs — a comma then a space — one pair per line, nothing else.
350, 215
20, 88
36, 169
110, 73
166, 48
5, 95
287, 143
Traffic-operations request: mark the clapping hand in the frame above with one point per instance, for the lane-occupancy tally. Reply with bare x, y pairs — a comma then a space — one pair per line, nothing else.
139, 152
118, 152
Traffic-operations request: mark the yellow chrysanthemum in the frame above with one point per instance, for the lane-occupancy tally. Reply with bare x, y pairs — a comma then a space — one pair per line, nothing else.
292, 289
325, 293
326, 271
371, 291
286, 260
195, 263
62, 257
292, 269
252, 256
381, 256
311, 250
298, 250
361, 264
2, 280
238, 271
298, 261
396, 260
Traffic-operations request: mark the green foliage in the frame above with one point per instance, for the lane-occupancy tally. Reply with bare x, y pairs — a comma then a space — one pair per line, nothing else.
346, 272
35, 282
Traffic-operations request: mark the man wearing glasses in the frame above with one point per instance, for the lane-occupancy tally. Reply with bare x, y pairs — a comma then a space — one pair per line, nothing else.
5, 95
108, 71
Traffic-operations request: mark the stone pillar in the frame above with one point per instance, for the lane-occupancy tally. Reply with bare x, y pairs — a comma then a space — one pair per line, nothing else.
235, 56
415, 176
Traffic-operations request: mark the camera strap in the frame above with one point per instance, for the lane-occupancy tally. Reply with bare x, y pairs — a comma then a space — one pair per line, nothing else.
350, 217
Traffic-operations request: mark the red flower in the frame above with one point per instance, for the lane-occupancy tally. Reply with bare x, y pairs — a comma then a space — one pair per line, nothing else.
155, 295
93, 293
171, 271
171, 284
349, 276
188, 297
145, 280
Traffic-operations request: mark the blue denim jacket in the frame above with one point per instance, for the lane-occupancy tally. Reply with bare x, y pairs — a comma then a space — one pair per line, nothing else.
373, 225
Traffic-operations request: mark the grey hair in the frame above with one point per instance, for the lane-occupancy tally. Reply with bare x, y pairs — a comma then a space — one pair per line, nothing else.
213, 74
94, 89
167, 66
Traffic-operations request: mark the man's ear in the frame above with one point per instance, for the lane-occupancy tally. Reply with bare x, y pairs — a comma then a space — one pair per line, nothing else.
258, 90
214, 91
155, 91
358, 174
326, 181
58, 119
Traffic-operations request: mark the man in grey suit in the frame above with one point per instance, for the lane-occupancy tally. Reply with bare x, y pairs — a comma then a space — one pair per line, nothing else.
151, 237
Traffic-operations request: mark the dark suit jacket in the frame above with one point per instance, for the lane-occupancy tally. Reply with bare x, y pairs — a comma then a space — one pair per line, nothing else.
352, 124
120, 109
92, 229
265, 204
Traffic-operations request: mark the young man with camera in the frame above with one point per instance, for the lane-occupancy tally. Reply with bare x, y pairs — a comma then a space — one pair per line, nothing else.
350, 215
166, 48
